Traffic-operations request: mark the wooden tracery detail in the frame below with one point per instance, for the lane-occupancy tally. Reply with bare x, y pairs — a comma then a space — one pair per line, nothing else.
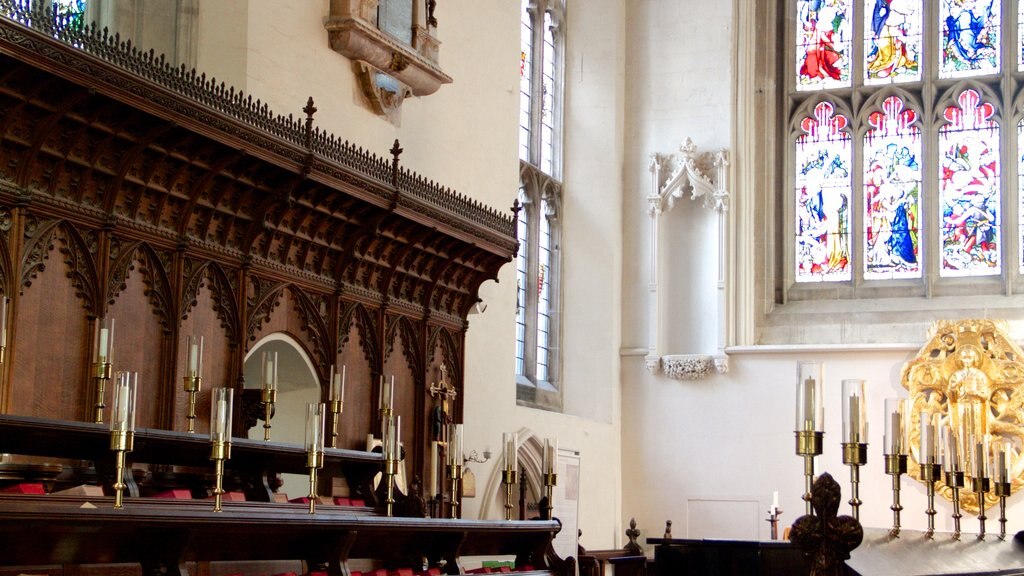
127, 257
222, 289
440, 336
410, 337
41, 238
367, 324
312, 309
263, 297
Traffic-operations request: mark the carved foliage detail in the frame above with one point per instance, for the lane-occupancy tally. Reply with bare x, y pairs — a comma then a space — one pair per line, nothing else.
311, 309
449, 353
367, 324
262, 297
409, 332
222, 290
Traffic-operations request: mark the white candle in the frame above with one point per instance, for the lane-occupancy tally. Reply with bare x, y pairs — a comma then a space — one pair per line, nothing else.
3, 321
122, 402
433, 468
391, 394
222, 415
775, 500
514, 449
101, 352
193, 359
927, 443
1004, 471
269, 370
398, 438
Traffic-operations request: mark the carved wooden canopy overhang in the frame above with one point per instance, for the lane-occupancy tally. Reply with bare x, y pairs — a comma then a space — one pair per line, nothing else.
93, 129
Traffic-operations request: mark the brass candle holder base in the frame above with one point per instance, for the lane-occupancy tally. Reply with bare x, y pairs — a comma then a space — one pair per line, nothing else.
192, 386
809, 443
895, 466
955, 480
336, 407
1002, 490
121, 442
268, 396
102, 372
455, 475
390, 468
980, 487
930, 473
315, 461
509, 478
219, 452
550, 481
855, 455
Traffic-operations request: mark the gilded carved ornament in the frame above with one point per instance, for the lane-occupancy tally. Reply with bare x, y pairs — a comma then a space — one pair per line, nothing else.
971, 374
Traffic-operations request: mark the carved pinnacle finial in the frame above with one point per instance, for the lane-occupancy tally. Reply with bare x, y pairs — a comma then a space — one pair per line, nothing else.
827, 537
633, 547
309, 109
396, 151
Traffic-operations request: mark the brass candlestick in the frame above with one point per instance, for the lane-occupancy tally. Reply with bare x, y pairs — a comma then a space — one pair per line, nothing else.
930, 474
509, 477
550, 481
1002, 489
192, 385
101, 374
315, 461
269, 397
773, 520
895, 466
220, 438
981, 487
390, 468
220, 451
314, 447
455, 474
809, 445
122, 428
336, 407
855, 455
955, 480
121, 442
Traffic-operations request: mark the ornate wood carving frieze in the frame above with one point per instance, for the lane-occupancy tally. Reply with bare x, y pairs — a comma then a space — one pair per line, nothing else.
94, 127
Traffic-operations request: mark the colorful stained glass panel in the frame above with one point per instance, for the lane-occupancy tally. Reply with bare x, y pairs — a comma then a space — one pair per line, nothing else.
970, 37
823, 192
892, 193
892, 41
969, 189
824, 43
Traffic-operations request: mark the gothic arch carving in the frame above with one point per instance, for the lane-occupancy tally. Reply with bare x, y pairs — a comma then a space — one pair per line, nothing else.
153, 266
262, 297
449, 352
410, 335
79, 256
312, 310
366, 326
222, 289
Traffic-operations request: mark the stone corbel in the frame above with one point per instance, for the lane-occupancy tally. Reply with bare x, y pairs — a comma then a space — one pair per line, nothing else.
685, 174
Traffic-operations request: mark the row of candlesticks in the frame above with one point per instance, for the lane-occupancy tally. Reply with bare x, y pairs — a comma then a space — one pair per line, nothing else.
510, 471
952, 448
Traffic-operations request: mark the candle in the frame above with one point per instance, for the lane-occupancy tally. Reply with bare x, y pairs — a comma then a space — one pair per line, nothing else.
775, 501
398, 438
927, 444
391, 394
1002, 463
270, 370
122, 401
854, 422
514, 450
101, 351
337, 391
433, 468
981, 459
123, 411
809, 416
893, 441
3, 321
220, 414
195, 356
315, 427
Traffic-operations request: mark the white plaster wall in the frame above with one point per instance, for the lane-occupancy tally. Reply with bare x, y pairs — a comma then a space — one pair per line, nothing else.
465, 136
732, 439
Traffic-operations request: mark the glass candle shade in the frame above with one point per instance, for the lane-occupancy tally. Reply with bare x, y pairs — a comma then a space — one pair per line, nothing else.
105, 341
810, 414
315, 416
122, 417
894, 439
510, 441
1001, 462
550, 459
268, 371
336, 393
454, 456
951, 454
194, 346
855, 424
220, 414
928, 441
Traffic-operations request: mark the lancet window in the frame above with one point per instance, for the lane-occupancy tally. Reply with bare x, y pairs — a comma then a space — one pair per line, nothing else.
896, 143
538, 261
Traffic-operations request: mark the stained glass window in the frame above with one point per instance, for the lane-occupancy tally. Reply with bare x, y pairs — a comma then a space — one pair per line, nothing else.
824, 43
892, 192
1020, 38
970, 37
892, 41
969, 188
1020, 194
823, 188
522, 266
70, 12
543, 292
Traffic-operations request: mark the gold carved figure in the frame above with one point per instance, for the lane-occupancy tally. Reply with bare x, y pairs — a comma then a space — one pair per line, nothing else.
971, 374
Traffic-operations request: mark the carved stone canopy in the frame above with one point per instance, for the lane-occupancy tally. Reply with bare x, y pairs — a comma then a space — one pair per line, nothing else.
971, 375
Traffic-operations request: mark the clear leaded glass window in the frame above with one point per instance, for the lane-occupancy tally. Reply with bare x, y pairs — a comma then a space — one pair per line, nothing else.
537, 263
896, 142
